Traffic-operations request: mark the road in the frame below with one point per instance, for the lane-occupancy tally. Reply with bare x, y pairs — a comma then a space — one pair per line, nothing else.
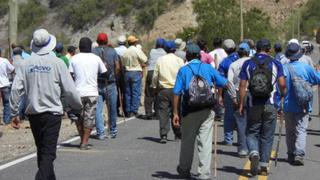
136, 155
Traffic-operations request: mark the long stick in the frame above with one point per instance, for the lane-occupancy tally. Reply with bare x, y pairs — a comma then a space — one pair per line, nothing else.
279, 139
215, 147
121, 105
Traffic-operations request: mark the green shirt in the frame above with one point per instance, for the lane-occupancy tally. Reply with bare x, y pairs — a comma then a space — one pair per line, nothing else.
63, 58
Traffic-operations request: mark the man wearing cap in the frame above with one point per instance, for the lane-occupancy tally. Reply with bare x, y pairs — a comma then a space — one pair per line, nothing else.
296, 117
180, 49
278, 52
133, 61
163, 80
121, 45
218, 54
6, 69
196, 125
86, 66
43, 79
59, 50
149, 101
262, 113
107, 87
229, 120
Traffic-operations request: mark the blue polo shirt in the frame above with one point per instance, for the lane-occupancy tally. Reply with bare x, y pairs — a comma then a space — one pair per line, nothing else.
277, 71
225, 64
305, 72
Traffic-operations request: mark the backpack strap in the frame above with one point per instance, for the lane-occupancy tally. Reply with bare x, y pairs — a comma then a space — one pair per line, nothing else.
291, 71
193, 71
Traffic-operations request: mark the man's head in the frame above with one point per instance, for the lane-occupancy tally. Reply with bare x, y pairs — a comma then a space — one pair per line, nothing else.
229, 46
42, 42
180, 44
192, 51
59, 48
170, 46
217, 43
17, 51
244, 50
160, 43
71, 50
202, 44
293, 52
122, 40
277, 47
263, 45
132, 40
85, 45
102, 39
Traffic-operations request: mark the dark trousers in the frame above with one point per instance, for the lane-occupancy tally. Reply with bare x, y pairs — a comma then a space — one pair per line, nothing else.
165, 112
150, 99
45, 129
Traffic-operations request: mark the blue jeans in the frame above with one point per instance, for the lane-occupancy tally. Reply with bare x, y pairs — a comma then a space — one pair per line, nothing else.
229, 120
112, 100
99, 112
22, 107
241, 128
132, 91
261, 125
296, 132
5, 94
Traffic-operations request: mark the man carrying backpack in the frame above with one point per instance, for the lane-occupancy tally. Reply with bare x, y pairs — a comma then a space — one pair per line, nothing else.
262, 73
297, 103
194, 83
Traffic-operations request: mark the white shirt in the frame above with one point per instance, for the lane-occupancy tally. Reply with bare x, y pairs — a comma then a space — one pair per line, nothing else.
86, 67
120, 50
5, 69
234, 71
220, 53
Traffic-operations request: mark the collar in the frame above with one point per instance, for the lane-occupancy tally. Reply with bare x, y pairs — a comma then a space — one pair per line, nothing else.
196, 61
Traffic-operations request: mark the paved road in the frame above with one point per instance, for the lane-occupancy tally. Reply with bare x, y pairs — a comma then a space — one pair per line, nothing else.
137, 155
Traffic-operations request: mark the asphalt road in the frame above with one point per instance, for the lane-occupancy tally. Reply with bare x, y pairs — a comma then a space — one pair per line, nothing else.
136, 155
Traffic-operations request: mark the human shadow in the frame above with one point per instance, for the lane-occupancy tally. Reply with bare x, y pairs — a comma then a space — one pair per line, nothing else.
313, 132
228, 153
153, 139
69, 145
317, 145
234, 170
167, 175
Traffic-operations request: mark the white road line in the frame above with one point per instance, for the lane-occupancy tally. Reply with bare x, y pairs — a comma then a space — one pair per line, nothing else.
30, 156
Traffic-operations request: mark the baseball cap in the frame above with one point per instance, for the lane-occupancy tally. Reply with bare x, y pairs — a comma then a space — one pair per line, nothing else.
160, 42
193, 48
59, 47
102, 38
170, 45
277, 46
293, 41
263, 44
132, 39
229, 44
121, 39
244, 46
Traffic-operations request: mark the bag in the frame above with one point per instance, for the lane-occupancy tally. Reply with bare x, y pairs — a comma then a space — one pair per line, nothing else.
260, 84
200, 95
109, 77
302, 89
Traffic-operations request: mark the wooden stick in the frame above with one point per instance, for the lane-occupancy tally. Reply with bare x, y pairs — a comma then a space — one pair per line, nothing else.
215, 148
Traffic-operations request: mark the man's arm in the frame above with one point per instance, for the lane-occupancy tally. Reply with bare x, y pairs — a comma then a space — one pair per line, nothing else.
176, 118
282, 86
155, 77
242, 91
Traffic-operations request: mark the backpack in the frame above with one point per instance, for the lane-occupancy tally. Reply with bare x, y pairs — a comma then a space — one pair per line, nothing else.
109, 77
260, 84
200, 95
302, 89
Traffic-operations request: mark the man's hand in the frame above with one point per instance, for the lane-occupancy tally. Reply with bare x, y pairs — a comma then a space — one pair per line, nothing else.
176, 120
15, 123
236, 104
220, 101
241, 110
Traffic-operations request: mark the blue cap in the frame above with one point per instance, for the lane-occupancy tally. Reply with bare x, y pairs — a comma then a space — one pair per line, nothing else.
193, 48
245, 46
170, 45
294, 51
277, 45
59, 47
160, 42
263, 44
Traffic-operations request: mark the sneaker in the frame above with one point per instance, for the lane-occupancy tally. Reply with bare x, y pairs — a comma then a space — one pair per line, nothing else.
264, 171
183, 174
145, 117
254, 166
298, 161
112, 136
243, 154
290, 158
101, 137
163, 140
85, 147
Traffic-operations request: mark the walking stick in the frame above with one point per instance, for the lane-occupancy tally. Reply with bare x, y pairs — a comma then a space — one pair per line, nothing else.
121, 105
215, 147
279, 139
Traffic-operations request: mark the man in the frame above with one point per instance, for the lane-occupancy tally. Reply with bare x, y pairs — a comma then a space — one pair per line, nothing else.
6, 69
229, 120
85, 66
278, 52
180, 49
194, 124
59, 50
133, 61
121, 45
218, 54
44, 107
163, 81
262, 113
71, 51
205, 57
149, 101
296, 116
233, 77
107, 87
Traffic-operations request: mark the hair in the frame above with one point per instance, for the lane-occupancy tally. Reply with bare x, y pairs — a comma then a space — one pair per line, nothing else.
217, 42
85, 45
263, 49
17, 51
202, 44
230, 50
243, 53
191, 56
132, 43
71, 49
278, 49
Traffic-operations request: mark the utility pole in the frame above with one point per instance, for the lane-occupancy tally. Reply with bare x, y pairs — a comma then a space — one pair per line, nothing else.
299, 19
13, 22
241, 20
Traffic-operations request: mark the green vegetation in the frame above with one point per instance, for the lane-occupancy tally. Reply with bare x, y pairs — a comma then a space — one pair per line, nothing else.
310, 18
4, 7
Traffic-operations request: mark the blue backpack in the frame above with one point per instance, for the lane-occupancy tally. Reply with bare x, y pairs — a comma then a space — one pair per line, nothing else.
302, 89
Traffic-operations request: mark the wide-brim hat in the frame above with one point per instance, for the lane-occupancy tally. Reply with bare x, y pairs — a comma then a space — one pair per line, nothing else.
42, 42
294, 51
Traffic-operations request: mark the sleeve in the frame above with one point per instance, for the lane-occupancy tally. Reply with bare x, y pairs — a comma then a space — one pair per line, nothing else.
155, 76
314, 76
9, 67
71, 69
279, 68
231, 73
69, 90
142, 57
219, 80
179, 85
17, 90
243, 73
102, 67
221, 68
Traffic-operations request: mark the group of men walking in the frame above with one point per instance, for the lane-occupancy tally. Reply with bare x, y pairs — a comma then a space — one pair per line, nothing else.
186, 88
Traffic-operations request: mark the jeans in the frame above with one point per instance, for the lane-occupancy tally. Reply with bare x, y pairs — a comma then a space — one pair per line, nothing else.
261, 126
45, 129
197, 126
100, 112
296, 133
132, 92
22, 107
149, 100
112, 100
229, 120
5, 94
241, 122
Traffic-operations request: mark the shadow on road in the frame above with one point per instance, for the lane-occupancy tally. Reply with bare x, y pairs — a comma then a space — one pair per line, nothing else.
231, 169
313, 132
153, 139
228, 153
317, 145
69, 145
166, 175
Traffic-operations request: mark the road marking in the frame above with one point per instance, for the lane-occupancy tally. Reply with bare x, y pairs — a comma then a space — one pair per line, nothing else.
30, 156
273, 155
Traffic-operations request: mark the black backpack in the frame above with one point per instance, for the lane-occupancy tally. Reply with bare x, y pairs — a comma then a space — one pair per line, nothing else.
200, 95
260, 84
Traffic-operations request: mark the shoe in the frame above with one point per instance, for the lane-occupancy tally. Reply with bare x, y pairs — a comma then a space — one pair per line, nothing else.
264, 171
163, 140
183, 174
243, 154
101, 137
290, 159
85, 147
177, 137
225, 143
112, 136
146, 117
298, 161
254, 166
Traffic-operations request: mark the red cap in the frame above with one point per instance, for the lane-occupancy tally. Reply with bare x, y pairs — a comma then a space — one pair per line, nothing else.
102, 38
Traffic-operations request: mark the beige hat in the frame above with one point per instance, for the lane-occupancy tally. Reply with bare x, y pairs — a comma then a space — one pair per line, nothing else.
180, 44
132, 39
42, 42
122, 39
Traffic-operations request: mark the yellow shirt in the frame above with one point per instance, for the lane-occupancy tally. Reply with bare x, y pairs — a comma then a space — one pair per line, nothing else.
133, 57
166, 70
